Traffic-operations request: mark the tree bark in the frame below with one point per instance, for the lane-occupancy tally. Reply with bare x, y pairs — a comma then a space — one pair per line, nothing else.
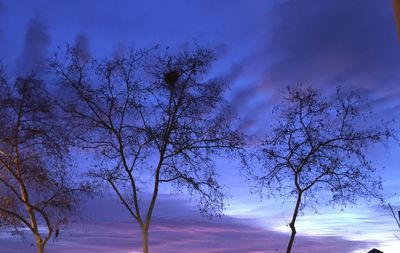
293, 222
146, 225
145, 239
39, 246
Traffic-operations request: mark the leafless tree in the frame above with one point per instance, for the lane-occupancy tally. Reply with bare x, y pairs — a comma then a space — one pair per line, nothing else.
151, 117
35, 189
317, 145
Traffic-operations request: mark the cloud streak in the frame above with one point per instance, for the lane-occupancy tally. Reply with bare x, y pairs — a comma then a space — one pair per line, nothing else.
177, 228
324, 44
333, 41
36, 44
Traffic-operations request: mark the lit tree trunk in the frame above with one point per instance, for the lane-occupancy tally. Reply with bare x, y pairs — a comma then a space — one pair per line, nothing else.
145, 239
40, 247
23, 189
146, 225
293, 222
39, 244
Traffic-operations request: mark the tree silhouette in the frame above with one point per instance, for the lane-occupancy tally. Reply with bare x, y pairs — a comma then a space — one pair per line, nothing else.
35, 188
319, 144
151, 118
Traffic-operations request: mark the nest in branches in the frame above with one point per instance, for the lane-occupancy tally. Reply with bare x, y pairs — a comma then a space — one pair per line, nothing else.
170, 78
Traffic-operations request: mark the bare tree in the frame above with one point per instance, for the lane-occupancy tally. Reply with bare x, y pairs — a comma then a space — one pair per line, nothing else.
35, 189
319, 144
151, 118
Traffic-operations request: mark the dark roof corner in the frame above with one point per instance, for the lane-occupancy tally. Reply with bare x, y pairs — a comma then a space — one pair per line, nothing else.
375, 251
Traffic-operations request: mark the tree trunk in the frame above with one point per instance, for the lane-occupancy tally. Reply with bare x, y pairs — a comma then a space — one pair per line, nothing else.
293, 222
40, 246
145, 239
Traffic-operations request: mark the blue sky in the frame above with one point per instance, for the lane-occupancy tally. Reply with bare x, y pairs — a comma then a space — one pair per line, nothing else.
262, 47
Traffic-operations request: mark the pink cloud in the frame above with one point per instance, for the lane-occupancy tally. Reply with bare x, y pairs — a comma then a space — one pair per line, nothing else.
111, 231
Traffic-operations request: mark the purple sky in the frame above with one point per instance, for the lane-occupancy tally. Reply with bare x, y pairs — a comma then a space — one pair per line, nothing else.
262, 47
178, 228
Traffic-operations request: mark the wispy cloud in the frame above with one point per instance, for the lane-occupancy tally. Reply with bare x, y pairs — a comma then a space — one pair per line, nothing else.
324, 44
36, 44
177, 228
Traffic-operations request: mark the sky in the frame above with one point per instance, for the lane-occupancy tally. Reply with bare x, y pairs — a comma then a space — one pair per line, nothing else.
262, 47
